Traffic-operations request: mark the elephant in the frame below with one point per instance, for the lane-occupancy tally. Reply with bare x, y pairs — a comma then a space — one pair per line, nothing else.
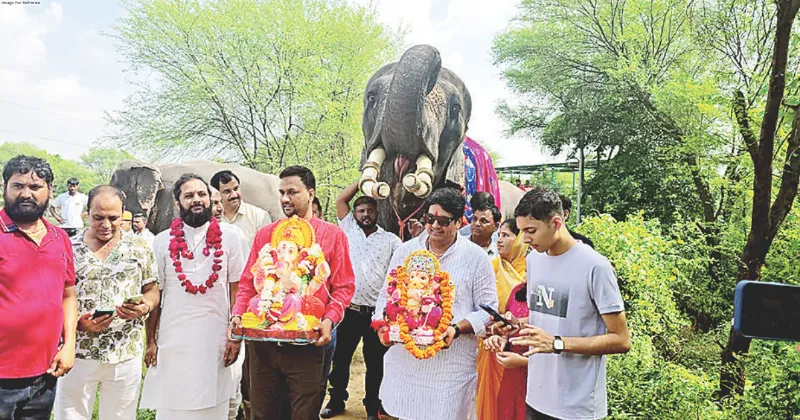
415, 116
148, 188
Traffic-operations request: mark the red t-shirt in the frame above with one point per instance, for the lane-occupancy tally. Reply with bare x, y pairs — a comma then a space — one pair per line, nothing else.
32, 282
341, 284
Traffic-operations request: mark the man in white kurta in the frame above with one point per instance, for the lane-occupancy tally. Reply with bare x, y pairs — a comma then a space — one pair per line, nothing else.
189, 379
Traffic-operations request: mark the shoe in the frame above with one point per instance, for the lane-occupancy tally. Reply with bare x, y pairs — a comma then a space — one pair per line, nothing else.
331, 410
373, 417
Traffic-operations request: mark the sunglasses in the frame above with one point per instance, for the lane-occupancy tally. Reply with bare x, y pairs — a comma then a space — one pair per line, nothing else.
444, 221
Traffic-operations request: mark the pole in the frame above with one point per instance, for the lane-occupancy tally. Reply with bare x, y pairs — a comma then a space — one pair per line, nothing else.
580, 186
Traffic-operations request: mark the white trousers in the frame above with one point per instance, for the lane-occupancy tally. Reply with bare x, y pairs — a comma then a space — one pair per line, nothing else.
218, 412
119, 390
236, 399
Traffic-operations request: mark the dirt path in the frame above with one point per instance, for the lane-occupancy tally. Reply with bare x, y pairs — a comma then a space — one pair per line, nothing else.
355, 408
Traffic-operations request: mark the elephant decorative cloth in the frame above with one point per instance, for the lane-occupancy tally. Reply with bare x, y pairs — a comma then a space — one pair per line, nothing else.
479, 174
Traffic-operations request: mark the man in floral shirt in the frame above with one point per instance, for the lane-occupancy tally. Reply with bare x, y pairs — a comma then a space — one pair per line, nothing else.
115, 273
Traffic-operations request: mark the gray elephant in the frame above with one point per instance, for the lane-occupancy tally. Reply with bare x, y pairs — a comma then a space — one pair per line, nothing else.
415, 116
148, 188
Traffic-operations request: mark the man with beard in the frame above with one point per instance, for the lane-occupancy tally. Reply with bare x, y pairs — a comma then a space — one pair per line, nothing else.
70, 207
247, 217
37, 277
188, 352
272, 365
371, 249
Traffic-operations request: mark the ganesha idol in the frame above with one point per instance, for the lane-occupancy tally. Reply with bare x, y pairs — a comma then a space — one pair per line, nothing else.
288, 273
419, 304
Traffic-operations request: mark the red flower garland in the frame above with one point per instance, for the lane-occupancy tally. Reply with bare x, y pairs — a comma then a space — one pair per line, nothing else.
178, 249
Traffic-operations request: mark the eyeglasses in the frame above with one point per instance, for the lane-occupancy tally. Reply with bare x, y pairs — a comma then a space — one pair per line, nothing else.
444, 221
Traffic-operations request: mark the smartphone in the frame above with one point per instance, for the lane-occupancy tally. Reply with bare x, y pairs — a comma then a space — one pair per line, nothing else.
134, 299
495, 315
767, 310
98, 313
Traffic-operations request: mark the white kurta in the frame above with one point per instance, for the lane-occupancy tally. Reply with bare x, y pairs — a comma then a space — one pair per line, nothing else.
191, 373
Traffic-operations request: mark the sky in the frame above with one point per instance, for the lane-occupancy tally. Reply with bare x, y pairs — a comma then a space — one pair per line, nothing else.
60, 71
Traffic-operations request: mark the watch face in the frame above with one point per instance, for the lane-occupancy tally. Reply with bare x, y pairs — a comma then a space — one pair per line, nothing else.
558, 344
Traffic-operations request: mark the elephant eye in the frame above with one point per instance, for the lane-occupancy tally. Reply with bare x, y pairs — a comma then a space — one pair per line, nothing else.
455, 109
371, 98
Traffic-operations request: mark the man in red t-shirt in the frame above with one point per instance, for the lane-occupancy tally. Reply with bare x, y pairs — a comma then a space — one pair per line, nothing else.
299, 366
38, 307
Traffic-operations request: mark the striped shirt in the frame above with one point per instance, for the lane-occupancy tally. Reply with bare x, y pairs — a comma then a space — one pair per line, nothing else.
444, 386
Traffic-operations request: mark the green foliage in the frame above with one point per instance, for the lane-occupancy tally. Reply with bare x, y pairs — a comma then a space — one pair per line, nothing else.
63, 169
103, 161
266, 83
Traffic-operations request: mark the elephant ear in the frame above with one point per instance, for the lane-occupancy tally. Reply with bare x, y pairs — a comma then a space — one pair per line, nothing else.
140, 182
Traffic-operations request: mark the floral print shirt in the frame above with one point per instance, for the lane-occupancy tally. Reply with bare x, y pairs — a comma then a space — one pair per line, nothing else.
105, 285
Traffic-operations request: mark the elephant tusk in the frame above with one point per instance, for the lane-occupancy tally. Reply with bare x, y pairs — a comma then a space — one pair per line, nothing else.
368, 184
420, 183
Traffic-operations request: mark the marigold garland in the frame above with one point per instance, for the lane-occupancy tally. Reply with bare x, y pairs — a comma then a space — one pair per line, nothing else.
446, 293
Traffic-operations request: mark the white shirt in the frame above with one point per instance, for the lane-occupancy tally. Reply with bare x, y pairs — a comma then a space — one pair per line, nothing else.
249, 219
147, 236
443, 387
190, 374
369, 256
71, 208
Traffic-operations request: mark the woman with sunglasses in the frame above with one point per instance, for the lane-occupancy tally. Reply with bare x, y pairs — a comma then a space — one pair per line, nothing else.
442, 387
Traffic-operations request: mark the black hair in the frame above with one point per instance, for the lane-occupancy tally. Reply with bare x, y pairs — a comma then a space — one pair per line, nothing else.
317, 202
566, 203
305, 174
223, 177
22, 164
450, 200
360, 201
176, 190
512, 225
105, 189
496, 215
73, 181
540, 203
481, 200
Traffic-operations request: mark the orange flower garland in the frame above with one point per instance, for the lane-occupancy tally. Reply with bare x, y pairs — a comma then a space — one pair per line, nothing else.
446, 293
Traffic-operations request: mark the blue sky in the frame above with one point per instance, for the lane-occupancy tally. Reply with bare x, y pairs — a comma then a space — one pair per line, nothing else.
60, 73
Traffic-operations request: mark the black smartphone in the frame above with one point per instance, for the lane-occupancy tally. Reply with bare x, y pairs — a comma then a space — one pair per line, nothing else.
98, 313
495, 315
767, 310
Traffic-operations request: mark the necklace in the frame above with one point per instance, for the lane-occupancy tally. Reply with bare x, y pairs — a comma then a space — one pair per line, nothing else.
179, 249
428, 247
35, 231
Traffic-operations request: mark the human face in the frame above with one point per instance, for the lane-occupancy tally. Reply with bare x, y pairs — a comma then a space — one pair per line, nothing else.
105, 216
366, 215
139, 224
72, 189
482, 225
316, 210
540, 235
26, 197
438, 232
231, 197
216, 205
505, 241
295, 197
194, 203
126, 225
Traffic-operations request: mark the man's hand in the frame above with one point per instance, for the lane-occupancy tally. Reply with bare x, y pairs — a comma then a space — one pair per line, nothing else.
536, 338
500, 328
383, 335
495, 343
415, 227
511, 360
63, 362
325, 327
151, 355
97, 325
232, 349
132, 311
448, 336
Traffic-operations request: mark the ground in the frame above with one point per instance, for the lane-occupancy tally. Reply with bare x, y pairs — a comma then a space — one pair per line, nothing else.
355, 409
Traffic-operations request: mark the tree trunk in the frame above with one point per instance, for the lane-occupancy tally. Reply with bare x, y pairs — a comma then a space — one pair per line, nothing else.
766, 216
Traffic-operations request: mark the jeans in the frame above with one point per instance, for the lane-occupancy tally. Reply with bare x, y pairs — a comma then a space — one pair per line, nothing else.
326, 366
27, 398
354, 328
533, 414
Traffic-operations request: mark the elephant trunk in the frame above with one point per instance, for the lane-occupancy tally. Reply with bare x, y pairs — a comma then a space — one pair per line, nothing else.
414, 77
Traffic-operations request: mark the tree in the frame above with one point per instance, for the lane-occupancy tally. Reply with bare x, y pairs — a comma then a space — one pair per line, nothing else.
63, 169
768, 210
264, 83
103, 161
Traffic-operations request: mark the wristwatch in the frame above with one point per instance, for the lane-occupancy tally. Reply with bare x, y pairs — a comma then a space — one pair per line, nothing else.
558, 345
458, 330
